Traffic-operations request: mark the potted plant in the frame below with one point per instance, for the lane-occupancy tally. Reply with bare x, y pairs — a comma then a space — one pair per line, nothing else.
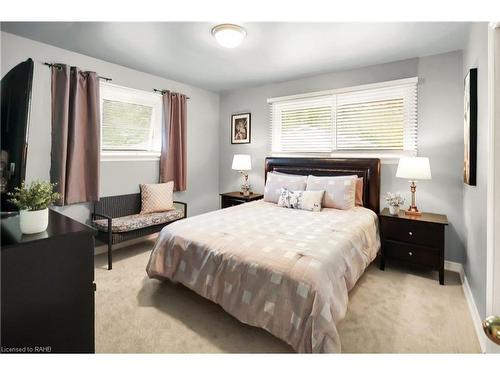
394, 200
33, 202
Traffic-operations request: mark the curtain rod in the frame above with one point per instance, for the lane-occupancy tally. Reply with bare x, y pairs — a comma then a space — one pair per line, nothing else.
59, 67
164, 91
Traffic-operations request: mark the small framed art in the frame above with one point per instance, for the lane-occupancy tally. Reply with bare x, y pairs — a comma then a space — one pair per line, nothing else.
240, 128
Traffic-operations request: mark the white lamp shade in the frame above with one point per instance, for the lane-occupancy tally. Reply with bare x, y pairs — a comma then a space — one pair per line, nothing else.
242, 162
414, 168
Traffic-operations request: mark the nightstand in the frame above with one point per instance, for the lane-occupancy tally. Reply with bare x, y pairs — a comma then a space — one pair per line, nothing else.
416, 240
235, 198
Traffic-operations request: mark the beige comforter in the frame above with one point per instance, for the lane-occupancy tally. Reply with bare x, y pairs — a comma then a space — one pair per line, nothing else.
287, 271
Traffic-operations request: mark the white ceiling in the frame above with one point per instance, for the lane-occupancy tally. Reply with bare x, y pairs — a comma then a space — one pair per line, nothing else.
272, 52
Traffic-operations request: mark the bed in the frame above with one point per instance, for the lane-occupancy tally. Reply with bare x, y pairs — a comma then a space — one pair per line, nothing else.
286, 271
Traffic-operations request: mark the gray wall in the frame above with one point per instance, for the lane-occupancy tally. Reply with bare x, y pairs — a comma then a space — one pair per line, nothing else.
120, 177
475, 197
440, 131
210, 151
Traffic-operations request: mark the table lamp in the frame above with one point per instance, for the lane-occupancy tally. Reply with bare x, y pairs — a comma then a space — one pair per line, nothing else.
243, 163
413, 169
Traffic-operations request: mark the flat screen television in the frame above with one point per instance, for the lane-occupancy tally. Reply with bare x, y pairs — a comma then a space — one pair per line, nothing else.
16, 101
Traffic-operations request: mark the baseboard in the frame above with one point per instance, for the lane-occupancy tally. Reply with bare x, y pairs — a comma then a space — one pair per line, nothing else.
476, 318
454, 267
104, 248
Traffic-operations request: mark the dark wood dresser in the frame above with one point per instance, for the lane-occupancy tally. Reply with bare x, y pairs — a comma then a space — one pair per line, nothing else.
416, 240
235, 197
47, 291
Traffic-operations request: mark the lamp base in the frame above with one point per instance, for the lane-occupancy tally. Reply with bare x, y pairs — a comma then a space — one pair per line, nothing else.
413, 211
245, 187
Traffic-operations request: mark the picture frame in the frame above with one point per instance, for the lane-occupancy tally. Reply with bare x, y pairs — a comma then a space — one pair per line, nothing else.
470, 127
241, 127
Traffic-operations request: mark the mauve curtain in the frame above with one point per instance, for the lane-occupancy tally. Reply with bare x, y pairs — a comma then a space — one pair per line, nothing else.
76, 135
173, 143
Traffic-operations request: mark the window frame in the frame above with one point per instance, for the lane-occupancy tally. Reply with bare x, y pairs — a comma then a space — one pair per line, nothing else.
110, 91
386, 156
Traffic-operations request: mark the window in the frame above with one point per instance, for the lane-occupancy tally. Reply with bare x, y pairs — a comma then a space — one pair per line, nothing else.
130, 123
377, 120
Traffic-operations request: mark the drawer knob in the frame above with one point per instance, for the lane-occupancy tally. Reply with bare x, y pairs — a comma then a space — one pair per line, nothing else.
410, 253
410, 233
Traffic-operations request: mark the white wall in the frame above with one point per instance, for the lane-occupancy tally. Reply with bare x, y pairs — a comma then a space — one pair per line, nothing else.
440, 133
119, 177
474, 206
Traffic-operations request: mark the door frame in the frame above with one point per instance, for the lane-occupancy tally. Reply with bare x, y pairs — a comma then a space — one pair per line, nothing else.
493, 188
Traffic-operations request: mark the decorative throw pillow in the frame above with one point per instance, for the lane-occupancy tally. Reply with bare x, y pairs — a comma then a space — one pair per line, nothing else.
340, 191
359, 192
157, 197
302, 200
275, 182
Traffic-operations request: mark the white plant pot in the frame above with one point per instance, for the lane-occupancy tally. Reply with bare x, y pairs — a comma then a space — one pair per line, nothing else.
34, 221
394, 210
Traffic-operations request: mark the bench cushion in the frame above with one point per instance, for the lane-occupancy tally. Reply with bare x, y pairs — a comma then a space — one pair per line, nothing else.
138, 221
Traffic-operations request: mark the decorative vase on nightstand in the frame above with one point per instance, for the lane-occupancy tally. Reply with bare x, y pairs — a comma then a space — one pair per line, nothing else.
394, 210
394, 200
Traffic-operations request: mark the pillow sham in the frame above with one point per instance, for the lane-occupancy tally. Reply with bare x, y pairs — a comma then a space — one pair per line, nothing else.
340, 191
359, 192
157, 197
275, 182
287, 174
309, 200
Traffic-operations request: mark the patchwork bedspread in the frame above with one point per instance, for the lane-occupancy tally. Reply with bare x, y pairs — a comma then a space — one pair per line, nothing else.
287, 271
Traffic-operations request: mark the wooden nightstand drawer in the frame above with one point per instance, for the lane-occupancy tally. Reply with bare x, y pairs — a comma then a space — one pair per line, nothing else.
422, 255
235, 198
229, 202
412, 231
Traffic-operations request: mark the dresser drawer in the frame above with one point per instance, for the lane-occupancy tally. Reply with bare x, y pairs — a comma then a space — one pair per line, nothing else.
417, 254
412, 231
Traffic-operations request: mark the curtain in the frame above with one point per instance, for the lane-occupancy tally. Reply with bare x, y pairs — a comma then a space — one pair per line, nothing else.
76, 134
173, 145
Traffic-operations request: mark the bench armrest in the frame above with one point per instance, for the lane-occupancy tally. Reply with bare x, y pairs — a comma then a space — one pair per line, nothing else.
110, 220
184, 204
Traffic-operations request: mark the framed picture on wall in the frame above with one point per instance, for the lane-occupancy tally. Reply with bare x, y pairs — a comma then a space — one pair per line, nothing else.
240, 128
470, 127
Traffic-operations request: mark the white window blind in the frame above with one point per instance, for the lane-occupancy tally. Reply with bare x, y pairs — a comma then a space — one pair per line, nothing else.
303, 125
130, 120
376, 119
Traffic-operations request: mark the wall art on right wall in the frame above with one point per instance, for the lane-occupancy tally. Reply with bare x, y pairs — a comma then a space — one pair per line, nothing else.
470, 127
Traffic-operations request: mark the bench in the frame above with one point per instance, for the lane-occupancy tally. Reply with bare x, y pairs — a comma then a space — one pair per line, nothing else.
118, 218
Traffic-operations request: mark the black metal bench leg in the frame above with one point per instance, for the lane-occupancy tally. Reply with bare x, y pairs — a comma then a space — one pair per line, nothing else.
110, 249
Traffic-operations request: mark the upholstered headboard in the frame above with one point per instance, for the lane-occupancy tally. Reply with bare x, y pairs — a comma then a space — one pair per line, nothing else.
369, 169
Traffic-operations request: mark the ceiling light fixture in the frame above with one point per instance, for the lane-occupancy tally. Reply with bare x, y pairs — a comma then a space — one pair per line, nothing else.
229, 35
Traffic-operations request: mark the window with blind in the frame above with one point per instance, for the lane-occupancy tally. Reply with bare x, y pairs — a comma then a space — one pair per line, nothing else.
379, 119
130, 121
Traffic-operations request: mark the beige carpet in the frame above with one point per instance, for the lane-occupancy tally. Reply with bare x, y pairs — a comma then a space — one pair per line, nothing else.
392, 311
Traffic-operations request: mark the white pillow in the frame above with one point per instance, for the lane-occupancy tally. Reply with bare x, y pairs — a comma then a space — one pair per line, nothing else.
275, 182
340, 191
302, 200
